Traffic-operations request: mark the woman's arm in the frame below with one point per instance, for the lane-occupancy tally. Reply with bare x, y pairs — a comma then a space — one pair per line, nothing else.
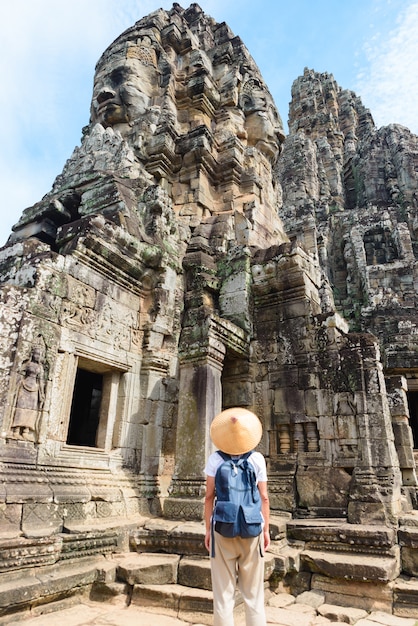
209, 499
265, 510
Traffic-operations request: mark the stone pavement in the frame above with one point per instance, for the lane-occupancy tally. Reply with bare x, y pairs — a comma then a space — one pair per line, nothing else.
282, 610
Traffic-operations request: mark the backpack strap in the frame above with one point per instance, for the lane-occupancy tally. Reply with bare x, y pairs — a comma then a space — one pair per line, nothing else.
212, 537
243, 461
225, 457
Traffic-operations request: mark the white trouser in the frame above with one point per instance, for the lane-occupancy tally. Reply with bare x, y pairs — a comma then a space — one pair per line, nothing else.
238, 561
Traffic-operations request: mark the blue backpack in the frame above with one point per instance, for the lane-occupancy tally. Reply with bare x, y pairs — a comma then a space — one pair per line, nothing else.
237, 510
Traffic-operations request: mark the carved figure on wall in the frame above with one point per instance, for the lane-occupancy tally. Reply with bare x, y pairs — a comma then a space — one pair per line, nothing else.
30, 397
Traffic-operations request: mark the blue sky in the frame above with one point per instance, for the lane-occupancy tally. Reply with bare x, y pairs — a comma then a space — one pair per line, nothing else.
49, 49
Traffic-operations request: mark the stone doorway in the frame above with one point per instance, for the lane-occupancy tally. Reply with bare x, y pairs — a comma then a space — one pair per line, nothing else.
85, 409
413, 414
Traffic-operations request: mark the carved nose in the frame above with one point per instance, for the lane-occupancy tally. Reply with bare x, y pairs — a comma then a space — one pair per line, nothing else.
106, 94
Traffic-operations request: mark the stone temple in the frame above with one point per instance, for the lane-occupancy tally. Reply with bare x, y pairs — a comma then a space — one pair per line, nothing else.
190, 257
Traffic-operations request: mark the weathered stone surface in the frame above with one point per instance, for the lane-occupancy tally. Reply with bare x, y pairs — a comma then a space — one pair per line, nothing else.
405, 597
148, 569
282, 600
48, 584
113, 593
288, 618
370, 596
311, 598
326, 488
97, 614
189, 258
340, 614
354, 566
386, 620
195, 573
302, 608
335, 533
171, 537
23, 553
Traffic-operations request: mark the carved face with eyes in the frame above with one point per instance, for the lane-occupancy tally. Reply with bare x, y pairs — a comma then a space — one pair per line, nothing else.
122, 92
262, 123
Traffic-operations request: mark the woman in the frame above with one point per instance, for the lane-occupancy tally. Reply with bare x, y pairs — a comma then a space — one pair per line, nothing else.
237, 560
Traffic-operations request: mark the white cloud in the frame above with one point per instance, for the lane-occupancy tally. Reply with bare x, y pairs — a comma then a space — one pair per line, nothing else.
388, 86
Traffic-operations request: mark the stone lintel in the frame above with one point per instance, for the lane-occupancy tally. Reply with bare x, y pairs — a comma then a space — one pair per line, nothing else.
220, 334
234, 337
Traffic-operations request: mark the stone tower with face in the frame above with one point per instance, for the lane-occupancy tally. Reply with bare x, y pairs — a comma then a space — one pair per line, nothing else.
177, 102
158, 275
172, 177
186, 96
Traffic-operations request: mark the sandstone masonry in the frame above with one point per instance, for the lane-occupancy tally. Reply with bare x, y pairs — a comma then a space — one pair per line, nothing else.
190, 257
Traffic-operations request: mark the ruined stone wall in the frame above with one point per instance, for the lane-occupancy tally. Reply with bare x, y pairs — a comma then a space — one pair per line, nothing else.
190, 258
113, 280
349, 194
356, 186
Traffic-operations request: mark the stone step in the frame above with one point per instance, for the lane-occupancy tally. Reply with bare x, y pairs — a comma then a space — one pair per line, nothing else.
163, 569
195, 572
185, 603
287, 557
177, 586
343, 565
405, 597
173, 598
147, 568
48, 583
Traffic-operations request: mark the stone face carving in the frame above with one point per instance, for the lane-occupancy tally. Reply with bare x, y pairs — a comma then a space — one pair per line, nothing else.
190, 258
124, 85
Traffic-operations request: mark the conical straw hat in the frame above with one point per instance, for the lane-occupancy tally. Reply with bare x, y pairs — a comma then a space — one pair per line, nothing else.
236, 431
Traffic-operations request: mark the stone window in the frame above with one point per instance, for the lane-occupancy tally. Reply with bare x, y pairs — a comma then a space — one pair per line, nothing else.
94, 406
379, 246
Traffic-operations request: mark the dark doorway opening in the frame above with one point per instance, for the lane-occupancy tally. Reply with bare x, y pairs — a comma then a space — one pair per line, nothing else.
413, 415
85, 409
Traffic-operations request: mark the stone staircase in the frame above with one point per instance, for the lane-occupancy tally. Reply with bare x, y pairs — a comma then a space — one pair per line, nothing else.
354, 565
177, 585
163, 564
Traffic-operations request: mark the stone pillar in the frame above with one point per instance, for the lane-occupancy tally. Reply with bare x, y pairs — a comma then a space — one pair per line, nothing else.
397, 388
375, 494
153, 373
200, 399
